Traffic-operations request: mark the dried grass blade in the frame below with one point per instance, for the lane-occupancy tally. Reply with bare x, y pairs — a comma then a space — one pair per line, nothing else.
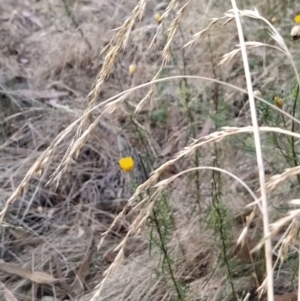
8, 295
258, 148
37, 277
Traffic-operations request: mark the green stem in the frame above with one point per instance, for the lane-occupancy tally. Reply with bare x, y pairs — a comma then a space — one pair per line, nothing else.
293, 130
163, 247
166, 255
221, 226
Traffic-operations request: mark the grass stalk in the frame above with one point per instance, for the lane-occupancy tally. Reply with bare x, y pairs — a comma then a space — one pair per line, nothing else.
268, 243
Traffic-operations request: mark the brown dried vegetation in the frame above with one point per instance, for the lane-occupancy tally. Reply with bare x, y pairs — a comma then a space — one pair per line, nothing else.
71, 104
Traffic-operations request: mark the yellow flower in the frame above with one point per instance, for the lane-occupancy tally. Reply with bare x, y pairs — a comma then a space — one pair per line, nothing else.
126, 163
297, 19
157, 17
278, 102
132, 69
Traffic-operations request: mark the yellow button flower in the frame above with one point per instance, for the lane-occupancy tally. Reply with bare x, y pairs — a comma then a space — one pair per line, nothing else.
157, 17
278, 102
297, 19
132, 69
126, 164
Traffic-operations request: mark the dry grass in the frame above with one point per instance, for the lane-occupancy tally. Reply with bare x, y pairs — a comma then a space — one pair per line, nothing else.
69, 115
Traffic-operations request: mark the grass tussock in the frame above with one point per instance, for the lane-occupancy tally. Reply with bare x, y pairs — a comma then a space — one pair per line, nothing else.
203, 97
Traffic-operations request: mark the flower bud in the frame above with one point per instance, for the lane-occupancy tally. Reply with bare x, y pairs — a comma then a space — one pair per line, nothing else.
132, 69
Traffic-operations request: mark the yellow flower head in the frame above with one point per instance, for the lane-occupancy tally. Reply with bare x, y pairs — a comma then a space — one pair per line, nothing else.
126, 164
157, 17
132, 69
297, 19
278, 102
